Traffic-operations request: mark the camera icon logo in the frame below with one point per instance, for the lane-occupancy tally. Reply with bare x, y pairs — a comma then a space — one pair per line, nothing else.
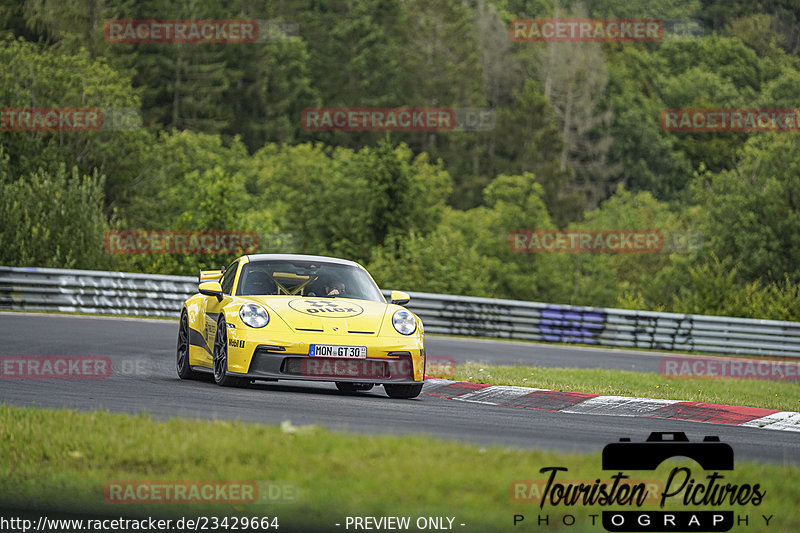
711, 454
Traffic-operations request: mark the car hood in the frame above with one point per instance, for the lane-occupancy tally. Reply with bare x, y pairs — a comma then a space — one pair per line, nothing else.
324, 314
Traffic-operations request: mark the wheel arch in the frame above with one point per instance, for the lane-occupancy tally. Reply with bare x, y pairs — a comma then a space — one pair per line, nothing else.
194, 311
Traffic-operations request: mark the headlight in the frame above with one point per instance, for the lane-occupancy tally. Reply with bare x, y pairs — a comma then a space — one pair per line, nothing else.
404, 322
254, 315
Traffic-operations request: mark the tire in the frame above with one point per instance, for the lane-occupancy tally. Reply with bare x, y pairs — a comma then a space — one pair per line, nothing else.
182, 364
344, 386
403, 392
220, 359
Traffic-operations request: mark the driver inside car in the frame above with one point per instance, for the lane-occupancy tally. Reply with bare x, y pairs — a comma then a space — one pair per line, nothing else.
334, 288
259, 282
327, 286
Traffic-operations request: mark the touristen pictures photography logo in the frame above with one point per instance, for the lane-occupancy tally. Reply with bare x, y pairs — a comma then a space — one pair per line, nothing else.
635, 498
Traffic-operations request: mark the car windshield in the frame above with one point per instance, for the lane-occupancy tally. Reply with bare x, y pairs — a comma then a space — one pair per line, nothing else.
307, 278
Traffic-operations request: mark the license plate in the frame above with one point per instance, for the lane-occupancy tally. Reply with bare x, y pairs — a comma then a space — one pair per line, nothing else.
331, 350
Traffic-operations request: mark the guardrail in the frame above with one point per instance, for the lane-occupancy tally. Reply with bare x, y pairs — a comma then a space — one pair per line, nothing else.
89, 291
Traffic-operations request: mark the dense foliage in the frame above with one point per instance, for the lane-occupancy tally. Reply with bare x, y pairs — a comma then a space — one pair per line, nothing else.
576, 143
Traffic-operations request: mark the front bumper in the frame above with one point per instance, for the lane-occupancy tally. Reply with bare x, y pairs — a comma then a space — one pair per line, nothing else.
268, 364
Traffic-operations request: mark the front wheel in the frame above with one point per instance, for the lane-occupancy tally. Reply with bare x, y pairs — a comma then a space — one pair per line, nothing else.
220, 359
404, 392
184, 370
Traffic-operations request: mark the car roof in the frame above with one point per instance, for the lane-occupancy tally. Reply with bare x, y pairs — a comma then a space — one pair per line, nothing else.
300, 257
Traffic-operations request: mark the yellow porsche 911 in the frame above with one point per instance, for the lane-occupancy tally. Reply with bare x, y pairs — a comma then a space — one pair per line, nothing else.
300, 317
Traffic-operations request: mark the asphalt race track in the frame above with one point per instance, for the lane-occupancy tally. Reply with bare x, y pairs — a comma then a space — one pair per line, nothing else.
144, 379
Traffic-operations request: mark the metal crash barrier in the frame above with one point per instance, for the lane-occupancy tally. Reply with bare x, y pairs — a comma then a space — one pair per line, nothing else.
96, 292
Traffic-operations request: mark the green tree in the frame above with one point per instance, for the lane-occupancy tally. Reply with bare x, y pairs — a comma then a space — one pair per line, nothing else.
574, 80
600, 279
713, 288
178, 158
345, 202
649, 157
273, 85
441, 262
752, 211
51, 218
37, 77
199, 183
712, 72
528, 141
512, 203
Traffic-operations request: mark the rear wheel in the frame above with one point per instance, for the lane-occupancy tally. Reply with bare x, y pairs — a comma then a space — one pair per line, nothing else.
353, 387
220, 359
184, 370
404, 392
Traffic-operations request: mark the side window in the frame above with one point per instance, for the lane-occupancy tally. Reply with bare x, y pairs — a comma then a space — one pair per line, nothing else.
228, 277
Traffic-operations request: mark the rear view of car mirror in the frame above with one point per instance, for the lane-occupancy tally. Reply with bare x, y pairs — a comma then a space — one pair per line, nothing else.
211, 288
399, 298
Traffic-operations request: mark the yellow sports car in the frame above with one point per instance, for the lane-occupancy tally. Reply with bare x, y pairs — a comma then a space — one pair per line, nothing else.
300, 317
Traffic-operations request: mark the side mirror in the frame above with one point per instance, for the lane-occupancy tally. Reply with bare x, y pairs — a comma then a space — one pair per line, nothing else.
211, 288
399, 298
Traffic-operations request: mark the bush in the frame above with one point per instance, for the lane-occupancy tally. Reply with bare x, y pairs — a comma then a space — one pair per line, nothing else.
52, 219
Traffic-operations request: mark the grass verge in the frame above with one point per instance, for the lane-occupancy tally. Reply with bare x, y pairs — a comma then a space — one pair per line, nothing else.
784, 396
62, 459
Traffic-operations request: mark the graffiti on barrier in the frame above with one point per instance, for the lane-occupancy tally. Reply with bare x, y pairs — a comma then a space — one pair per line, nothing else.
571, 325
478, 319
661, 333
